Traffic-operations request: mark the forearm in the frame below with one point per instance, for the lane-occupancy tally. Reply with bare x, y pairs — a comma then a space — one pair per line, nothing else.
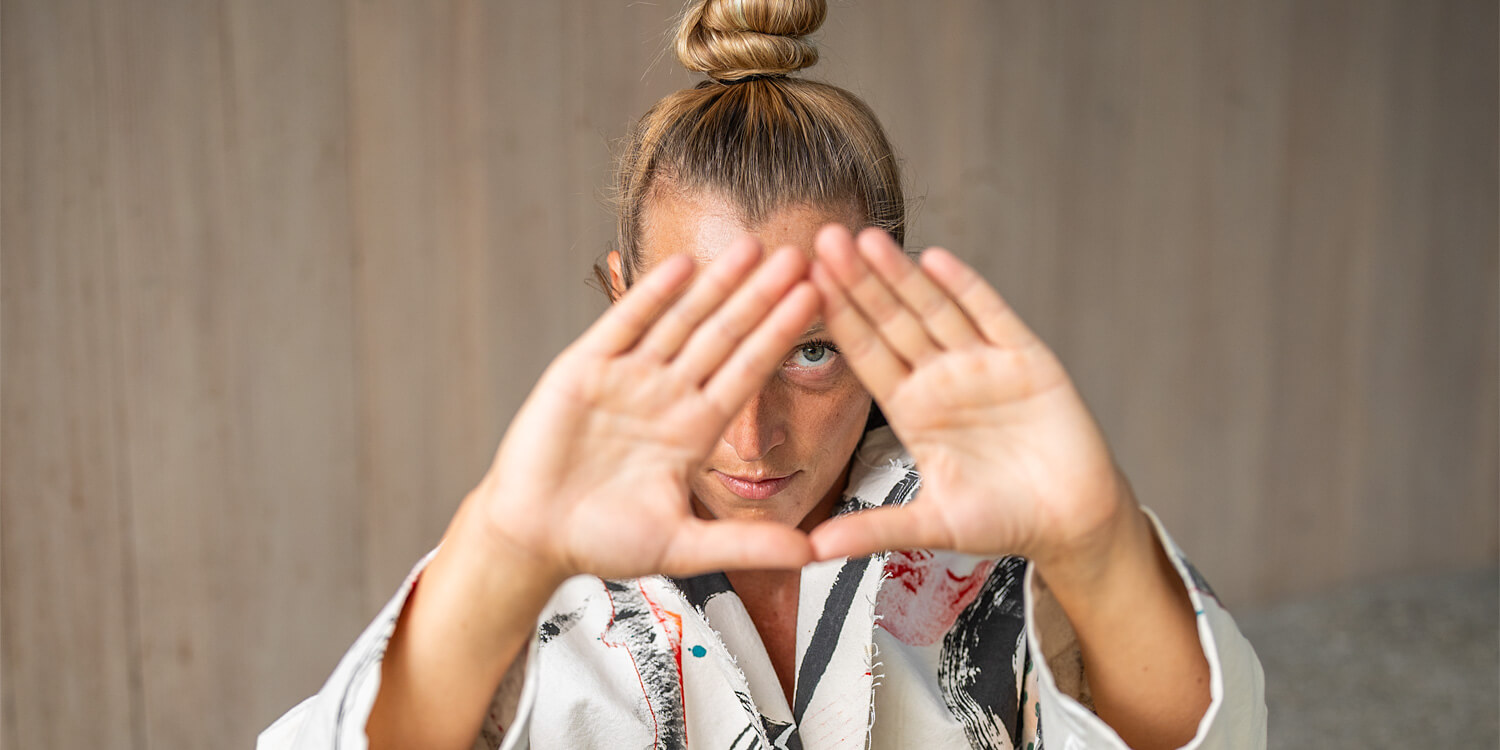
1138, 633
473, 610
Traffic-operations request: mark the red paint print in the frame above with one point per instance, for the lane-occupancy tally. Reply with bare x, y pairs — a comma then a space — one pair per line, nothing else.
671, 624
923, 596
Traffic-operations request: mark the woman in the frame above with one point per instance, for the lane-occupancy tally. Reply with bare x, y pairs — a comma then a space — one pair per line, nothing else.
685, 535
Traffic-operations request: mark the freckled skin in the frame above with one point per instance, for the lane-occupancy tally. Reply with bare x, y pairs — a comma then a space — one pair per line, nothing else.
805, 421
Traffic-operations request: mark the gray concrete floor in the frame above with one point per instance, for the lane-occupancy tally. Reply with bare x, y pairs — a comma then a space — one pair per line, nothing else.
1410, 663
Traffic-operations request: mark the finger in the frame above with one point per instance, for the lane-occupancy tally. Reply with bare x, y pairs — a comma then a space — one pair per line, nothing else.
705, 294
623, 323
878, 529
891, 319
701, 546
938, 313
713, 340
753, 361
873, 361
996, 320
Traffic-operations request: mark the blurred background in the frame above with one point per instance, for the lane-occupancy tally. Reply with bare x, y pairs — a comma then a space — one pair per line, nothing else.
276, 273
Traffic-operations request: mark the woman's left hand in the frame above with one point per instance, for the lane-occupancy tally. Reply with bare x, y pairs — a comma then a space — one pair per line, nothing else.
1012, 461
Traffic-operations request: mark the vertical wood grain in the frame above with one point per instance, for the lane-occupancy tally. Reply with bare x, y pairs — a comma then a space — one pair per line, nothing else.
227, 177
67, 596
276, 275
481, 148
418, 184
1205, 208
1321, 262
1444, 151
1225, 398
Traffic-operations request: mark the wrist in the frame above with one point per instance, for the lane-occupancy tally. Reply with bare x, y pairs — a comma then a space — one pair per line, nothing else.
1095, 539
470, 613
492, 542
1137, 632
1127, 570
1114, 554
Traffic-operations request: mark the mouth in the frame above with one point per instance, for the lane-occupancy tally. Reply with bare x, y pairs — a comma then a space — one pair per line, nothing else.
751, 488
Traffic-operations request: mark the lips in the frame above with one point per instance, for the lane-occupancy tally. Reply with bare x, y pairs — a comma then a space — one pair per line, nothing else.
754, 489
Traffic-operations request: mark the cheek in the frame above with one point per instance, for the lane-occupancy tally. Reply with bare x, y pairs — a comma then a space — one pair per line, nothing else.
830, 420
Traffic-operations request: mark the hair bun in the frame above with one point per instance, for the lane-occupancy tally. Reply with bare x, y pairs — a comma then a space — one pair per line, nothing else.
735, 39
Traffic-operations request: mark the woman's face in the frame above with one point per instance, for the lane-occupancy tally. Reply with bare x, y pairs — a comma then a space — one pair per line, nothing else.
785, 455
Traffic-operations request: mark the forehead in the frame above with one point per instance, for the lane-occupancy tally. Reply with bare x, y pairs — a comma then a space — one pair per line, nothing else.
704, 225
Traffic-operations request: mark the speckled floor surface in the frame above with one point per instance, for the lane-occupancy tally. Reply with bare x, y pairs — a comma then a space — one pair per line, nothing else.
1410, 663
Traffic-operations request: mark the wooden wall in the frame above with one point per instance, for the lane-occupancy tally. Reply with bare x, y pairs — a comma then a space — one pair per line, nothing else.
276, 273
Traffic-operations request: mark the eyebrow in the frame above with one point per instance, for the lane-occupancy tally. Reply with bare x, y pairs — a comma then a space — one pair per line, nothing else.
813, 330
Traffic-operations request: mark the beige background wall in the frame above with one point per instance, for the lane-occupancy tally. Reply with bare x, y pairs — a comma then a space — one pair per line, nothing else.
276, 273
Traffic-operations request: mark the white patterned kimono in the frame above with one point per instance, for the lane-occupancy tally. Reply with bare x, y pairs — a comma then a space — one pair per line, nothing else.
926, 649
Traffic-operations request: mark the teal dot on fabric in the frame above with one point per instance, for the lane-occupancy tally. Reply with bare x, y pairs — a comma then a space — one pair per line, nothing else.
699, 651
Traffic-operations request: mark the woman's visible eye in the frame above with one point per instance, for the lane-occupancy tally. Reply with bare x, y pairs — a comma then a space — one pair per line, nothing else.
813, 354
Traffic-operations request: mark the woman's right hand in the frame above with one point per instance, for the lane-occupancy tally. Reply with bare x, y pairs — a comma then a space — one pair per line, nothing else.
592, 475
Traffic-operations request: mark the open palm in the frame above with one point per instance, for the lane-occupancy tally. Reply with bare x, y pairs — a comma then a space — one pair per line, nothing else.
592, 474
1011, 460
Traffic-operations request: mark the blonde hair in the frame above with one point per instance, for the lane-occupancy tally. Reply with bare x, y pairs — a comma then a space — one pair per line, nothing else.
752, 135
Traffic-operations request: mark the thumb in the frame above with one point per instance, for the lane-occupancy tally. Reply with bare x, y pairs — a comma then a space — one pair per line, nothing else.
701, 546
879, 529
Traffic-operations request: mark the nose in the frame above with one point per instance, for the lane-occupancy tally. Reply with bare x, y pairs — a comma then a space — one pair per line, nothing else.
756, 429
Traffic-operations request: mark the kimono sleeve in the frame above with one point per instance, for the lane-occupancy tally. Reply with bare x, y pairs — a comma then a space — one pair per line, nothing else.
337, 715
1236, 716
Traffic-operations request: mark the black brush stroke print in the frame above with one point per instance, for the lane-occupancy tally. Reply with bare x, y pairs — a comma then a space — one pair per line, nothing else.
634, 626
981, 692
